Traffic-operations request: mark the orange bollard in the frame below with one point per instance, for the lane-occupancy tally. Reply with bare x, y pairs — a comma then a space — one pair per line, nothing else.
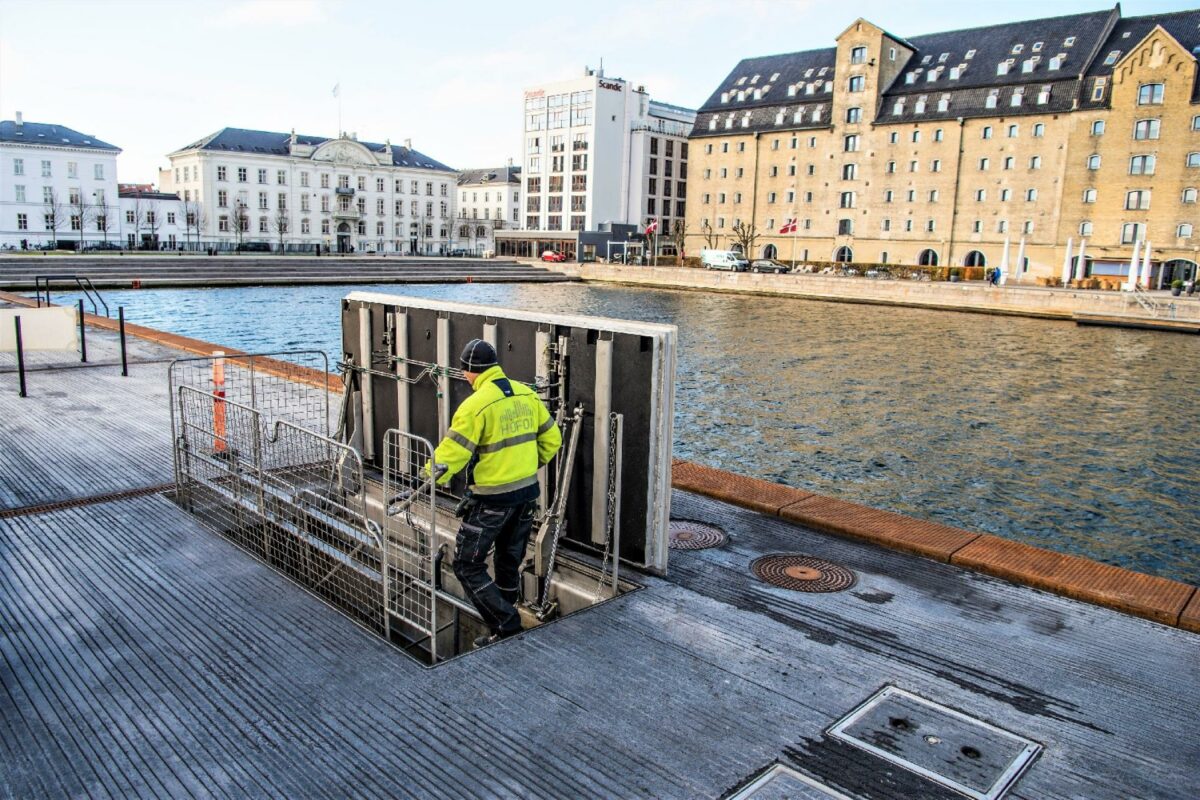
218, 379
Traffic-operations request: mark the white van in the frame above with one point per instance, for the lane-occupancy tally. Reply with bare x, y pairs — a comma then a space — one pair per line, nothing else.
723, 259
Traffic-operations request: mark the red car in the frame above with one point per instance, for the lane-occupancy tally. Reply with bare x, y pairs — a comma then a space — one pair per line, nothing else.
553, 255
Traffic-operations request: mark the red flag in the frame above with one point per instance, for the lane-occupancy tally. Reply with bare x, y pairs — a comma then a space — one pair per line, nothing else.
789, 226
652, 227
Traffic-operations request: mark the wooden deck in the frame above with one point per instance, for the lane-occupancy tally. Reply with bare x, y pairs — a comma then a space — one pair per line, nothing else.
143, 655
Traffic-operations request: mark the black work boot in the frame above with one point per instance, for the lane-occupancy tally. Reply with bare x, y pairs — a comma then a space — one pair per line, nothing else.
492, 638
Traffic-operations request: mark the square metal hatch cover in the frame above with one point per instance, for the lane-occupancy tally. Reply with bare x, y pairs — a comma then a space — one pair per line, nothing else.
946, 746
779, 782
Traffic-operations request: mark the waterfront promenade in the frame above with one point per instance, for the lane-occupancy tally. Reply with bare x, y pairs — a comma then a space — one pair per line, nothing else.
144, 655
170, 270
1079, 305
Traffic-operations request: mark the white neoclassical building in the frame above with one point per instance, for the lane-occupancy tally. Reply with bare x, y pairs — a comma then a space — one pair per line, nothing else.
258, 189
57, 185
488, 200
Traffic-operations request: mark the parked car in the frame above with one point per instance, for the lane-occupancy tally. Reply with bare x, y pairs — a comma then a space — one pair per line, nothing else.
768, 265
102, 246
553, 255
724, 259
457, 252
254, 247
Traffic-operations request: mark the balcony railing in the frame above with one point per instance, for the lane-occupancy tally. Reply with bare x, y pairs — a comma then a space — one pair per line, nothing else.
347, 190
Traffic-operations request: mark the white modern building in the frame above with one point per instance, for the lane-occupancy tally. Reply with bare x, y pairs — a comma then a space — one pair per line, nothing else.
57, 186
153, 220
292, 192
598, 150
488, 200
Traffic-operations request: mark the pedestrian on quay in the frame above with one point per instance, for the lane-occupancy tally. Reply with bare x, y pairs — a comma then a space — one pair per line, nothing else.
502, 435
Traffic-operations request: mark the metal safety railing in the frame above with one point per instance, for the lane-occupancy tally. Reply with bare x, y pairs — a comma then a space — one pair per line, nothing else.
256, 460
82, 282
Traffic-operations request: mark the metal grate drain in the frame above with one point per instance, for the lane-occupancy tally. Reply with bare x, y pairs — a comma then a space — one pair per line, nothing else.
802, 573
688, 534
77, 502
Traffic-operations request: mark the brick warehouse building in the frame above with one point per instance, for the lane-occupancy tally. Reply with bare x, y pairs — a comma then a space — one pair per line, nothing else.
939, 150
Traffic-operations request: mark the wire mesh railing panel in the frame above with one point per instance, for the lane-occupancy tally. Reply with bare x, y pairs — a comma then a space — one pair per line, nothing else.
410, 535
289, 496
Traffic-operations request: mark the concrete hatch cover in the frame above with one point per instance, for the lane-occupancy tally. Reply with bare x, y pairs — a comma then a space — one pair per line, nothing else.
938, 743
778, 782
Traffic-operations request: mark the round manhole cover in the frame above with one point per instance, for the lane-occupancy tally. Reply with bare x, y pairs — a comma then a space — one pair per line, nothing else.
688, 534
802, 573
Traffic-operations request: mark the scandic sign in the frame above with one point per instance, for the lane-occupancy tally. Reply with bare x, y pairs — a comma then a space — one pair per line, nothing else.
616, 87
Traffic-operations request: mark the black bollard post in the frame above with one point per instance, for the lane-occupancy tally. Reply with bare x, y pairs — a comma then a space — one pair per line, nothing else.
82, 335
20, 357
121, 322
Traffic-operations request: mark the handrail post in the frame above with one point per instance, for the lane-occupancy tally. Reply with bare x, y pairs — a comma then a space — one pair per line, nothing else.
82, 335
20, 357
121, 325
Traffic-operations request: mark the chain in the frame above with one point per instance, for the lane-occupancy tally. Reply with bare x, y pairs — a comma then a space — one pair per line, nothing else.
610, 517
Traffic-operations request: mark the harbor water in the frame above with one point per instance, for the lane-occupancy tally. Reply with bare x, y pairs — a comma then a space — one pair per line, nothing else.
1081, 440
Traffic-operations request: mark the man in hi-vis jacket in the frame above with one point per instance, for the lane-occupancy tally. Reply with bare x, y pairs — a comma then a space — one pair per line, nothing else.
505, 432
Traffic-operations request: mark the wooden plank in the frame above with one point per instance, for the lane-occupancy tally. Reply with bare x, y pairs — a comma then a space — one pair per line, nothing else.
753, 493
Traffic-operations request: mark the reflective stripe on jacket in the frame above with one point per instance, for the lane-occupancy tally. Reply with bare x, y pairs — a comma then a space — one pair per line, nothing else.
512, 436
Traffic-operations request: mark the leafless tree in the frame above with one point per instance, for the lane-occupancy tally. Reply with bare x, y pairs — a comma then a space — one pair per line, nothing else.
134, 216
81, 213
279, 224
103, 220
744, 236
193, 220
55, 213
240, 220
679, 237
152, 217
710, 236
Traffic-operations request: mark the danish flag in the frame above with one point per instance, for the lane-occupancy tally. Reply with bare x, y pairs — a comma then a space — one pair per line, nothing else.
789, 226
652, 227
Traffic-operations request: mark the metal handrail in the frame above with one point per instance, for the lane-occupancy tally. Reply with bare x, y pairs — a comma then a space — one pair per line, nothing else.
82, 281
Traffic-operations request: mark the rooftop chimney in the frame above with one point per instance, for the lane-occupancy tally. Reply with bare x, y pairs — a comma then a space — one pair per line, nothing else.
510, 163
408, 144
20, 122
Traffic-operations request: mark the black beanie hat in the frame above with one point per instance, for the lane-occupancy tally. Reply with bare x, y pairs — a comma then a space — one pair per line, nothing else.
477, 356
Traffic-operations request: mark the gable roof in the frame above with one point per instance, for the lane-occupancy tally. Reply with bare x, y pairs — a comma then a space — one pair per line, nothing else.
468, 177
50, 135
792, 69
245, 140
1128, 33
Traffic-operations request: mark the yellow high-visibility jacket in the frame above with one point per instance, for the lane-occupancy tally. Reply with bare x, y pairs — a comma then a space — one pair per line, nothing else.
510, 431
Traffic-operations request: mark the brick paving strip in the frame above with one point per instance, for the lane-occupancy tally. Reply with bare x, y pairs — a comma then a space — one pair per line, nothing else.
1162, 600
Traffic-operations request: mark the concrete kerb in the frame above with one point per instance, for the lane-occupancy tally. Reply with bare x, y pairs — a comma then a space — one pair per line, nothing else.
1158, 599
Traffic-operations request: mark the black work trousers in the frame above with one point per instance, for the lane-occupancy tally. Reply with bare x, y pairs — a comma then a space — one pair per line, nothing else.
507, 528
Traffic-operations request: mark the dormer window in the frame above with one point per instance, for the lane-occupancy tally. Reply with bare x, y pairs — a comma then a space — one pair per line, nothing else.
944, 104
954, 73
919, 108
1111, 58
1037, 47
712, 124
1017, 48
992, 98
724, 97
828, 87
1017, 96
758, 94
1044, 95
792, 90
817, 113
932, 75
798, 117
741, 96
942, 58
1002, 68
1029, 64
926, 59
1057, 61
898, 108
911, 77
970, 54
810, 88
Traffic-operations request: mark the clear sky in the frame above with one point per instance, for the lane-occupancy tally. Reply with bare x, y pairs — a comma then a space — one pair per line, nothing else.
153, 75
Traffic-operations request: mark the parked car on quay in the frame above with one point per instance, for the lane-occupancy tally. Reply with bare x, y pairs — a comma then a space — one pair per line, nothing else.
553, 255
769, 265
102, 246
457, 252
